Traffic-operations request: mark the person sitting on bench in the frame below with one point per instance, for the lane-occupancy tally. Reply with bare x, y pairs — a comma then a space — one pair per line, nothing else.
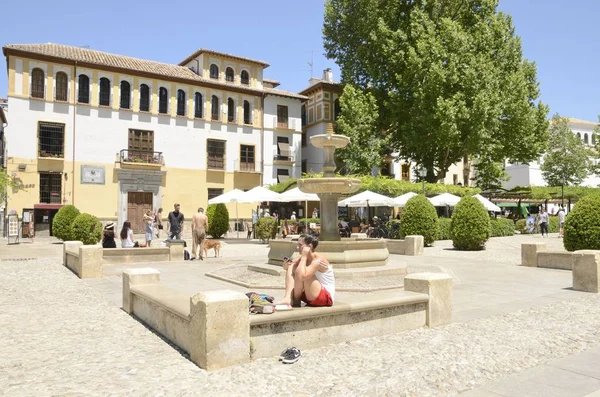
309, 278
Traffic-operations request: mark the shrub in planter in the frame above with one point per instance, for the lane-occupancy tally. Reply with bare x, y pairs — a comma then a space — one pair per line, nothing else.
61, 224
266, 228
393, 228
444, 229
501, 227
553, 224
470, 226
419, 217
218, 220
520, 226
582, 225
87, 229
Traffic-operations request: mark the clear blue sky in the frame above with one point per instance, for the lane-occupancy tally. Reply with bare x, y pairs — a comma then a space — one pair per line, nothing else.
559, 36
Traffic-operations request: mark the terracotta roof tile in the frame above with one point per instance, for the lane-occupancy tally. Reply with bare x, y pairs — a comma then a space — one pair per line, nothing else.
223, 54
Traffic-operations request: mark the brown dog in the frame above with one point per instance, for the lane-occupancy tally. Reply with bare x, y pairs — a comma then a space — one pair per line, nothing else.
212, 244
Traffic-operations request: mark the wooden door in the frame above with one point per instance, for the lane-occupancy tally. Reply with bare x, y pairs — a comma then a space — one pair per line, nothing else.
137, 205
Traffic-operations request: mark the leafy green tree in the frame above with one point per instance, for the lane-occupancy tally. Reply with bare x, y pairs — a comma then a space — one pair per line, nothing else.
489, 174
87, 229
63, 221
218, 220
567, 161
6, 183
359, 121
448, 75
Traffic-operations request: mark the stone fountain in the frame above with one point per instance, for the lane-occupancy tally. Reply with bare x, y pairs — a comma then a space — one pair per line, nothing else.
343, 253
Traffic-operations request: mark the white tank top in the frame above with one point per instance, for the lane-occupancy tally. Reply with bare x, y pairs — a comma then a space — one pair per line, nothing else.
327, 280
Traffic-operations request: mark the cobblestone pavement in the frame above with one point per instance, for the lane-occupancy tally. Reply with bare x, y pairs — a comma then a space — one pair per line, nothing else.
60, 337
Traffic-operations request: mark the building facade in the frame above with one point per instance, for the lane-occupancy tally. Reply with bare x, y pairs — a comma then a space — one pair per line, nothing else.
530, 174
117, 136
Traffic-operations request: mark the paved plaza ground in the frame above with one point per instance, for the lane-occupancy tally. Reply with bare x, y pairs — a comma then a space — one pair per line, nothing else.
517, 332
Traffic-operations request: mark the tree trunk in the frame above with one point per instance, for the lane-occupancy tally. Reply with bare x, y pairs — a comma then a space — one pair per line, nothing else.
466, 171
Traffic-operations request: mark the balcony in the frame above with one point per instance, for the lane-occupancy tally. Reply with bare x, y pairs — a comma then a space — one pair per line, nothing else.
284, 124
247, 167
141, 159
284, 157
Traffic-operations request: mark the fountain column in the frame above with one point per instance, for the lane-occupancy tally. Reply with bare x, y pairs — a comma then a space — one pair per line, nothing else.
329, 188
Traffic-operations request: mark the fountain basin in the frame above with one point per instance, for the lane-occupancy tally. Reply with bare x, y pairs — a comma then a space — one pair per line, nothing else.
329, 185
345, 254
330, 140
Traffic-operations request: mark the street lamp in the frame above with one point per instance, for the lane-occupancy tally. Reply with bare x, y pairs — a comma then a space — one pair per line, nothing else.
423, 175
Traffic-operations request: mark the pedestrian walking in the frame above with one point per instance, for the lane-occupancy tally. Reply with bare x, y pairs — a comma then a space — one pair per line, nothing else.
175, 219
543, 221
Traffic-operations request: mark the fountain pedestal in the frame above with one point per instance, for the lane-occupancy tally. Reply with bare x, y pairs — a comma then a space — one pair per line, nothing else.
329, 224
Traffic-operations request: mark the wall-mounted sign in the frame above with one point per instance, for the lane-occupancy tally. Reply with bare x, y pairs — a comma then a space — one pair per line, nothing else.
93, 175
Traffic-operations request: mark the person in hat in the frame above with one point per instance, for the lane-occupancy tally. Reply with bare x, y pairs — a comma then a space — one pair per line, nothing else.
293, 217
266, 213
108, 236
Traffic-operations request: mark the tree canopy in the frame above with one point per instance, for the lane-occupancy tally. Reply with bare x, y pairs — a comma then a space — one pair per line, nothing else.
567, 161
448, 76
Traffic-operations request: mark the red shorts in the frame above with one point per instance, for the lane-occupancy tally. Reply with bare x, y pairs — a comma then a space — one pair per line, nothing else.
324, 299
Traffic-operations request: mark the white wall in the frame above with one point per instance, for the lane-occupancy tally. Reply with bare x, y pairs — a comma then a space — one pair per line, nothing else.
101, 133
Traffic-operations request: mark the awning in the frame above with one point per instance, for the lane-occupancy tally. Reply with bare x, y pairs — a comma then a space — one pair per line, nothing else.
507, 205
282, 178
47, 206
284, 149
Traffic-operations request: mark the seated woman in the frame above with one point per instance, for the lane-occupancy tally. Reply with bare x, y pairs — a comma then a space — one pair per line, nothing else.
108, 236
127, 236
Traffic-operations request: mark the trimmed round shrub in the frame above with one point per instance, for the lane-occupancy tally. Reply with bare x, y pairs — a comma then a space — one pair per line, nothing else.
419, 217
470, 226
218, 220
62, 222
444, 229
393, 229
502, 227
266, 228
553, 224
87, 229
582, 225
520, 226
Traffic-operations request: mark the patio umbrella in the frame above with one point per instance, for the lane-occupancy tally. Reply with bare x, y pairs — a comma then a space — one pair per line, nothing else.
298, 195
445, 199
233, 196
400, 201
487, 203
259, 194
367, 199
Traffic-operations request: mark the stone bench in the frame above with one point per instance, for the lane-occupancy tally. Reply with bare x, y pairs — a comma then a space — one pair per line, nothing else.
586, 271
536, 255
215, 328
411, 246
87, 261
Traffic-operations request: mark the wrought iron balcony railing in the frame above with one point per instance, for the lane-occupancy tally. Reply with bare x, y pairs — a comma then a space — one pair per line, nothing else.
141, 156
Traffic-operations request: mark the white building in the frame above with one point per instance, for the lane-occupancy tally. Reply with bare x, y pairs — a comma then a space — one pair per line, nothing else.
530, 174
117, 136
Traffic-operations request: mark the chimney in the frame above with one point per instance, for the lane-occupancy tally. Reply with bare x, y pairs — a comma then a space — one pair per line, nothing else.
328, 75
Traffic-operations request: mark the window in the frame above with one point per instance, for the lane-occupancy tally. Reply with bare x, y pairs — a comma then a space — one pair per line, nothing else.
282, 175
405, 172
304, 166
230, 110
50, 188
140, 147
62, 85
336, 109
246, 158
51, 138
125, 95
283, 148
386, 169
198, 105
228, 74
84, 89
455, 179
247, 119
578, 135
214, 71
144, 98
214, 111
282, 116
303, 115
104, 92
303, 139
585, 138
212, 193
163, 100
216, 154
180, 103
37, 83
245, 77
